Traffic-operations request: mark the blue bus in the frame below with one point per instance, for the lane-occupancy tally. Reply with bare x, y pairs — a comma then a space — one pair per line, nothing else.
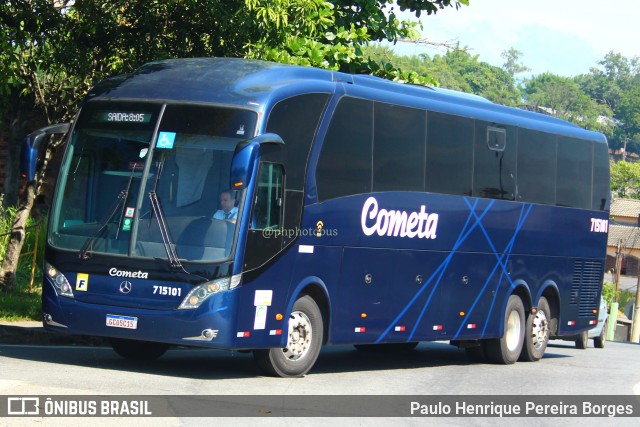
246, 205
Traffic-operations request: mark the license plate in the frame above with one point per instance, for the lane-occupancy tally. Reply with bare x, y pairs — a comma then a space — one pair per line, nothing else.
126, 322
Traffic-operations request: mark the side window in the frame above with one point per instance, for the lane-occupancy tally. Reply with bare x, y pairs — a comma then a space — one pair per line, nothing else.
494, 169
398, 148
574, 173
449, 154
344, 166
600, 176
496, 138
269, 200
296, 121
76, 208
536, 167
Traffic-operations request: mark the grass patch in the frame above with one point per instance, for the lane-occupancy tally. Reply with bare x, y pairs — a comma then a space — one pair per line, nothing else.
21, 304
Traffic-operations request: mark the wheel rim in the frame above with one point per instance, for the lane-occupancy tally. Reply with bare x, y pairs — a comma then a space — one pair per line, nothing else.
540, 332
300, 333
514, 331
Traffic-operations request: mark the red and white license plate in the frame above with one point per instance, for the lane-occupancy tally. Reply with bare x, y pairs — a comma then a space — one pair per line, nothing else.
126, 322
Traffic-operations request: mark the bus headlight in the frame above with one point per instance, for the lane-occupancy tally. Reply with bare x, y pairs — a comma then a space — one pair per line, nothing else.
200, 293
60, 282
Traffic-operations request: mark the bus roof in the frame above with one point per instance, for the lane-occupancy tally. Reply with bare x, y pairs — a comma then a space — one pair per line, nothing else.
255, 84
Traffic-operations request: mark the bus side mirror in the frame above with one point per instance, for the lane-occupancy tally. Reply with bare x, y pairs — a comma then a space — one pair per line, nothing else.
244, 159
31, 146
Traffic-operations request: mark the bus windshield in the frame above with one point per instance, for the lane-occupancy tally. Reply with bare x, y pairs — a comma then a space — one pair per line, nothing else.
121, 194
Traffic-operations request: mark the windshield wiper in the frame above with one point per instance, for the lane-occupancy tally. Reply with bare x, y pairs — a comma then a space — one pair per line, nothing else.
86, 250
157, 211
169, 246
119, 205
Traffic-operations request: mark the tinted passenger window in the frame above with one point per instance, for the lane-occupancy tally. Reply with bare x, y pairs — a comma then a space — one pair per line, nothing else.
296, 121
449, 154
574, 173
398, 148
344, 167
536, 167
600, 176
494, 169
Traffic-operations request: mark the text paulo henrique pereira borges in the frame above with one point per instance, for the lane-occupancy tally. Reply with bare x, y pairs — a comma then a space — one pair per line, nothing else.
528, 408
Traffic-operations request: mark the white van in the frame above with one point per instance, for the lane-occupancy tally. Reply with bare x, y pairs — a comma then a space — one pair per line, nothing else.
598, 334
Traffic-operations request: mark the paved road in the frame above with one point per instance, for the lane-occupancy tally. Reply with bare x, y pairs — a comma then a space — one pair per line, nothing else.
431, 369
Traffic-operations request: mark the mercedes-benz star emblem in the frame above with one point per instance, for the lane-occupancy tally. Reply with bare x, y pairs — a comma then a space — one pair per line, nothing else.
125, 287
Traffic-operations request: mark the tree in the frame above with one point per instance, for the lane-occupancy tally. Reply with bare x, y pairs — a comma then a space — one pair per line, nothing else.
512, 64
27, 81
562, 97
628, 113
459, 70
613, 84
607, 84
625, 179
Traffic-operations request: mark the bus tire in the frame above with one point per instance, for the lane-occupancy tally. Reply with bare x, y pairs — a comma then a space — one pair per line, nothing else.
583, 340
305, 335
506, 350
138, 350
537, 332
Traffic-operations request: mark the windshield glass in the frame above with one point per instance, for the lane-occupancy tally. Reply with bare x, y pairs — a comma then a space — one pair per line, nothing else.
182, 207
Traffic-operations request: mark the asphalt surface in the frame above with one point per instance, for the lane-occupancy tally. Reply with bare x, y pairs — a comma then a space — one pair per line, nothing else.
31, 332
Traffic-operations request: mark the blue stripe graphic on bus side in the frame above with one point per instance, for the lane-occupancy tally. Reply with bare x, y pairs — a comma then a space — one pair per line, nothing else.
507, 254
521, 221
441, 269
461, 239
437, 275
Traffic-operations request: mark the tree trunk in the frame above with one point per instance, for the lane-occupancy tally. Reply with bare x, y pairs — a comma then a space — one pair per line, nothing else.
17, 125
18, 233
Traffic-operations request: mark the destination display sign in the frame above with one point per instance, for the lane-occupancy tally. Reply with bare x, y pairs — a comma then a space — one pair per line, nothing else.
122, 117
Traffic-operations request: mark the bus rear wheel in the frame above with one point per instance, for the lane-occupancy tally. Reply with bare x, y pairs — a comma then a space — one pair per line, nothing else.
506, 350
538, 332
305, 334
138, 350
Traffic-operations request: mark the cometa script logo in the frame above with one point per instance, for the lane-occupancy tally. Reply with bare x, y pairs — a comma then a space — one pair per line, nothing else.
132, 274
422, 224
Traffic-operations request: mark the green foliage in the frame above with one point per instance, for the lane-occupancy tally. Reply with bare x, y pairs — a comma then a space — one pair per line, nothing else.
624, 296
512, 64
35, 231
457, 70
563, 98
608, 292
615, 85
625, 179
321, 34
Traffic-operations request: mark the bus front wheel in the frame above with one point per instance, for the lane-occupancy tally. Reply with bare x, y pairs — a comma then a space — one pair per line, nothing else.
305, 334
506, 350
